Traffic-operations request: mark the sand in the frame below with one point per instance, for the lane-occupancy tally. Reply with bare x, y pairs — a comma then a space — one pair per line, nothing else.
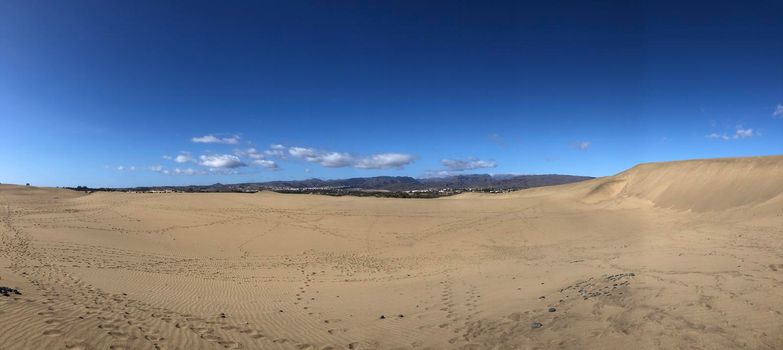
667, 255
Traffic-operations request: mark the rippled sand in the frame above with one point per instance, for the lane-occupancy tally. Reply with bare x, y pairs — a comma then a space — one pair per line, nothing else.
668, 255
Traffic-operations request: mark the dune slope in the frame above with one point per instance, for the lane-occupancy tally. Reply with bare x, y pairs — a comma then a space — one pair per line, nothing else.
698, 185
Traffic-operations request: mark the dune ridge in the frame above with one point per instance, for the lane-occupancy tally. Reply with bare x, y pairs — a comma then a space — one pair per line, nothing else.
681, 254
698, 185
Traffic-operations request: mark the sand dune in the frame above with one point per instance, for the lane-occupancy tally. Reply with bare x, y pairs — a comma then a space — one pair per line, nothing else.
665, 255
698, 185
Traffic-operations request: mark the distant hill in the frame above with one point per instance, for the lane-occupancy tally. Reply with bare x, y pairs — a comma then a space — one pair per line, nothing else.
406, 183
390, 183
502, 181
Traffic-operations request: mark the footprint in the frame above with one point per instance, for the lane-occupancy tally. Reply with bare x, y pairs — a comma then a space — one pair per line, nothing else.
76, 346
153, 338
201, 330
119, 335
211, 337
230, 344
52, 332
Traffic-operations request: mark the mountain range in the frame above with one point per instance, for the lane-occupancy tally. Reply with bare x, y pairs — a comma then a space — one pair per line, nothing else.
406, 183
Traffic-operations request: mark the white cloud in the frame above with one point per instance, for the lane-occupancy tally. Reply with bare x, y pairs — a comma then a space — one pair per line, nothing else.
221, 161
232, 140
307, 154
335, 160
250, 152
159, 169
468, 164
253, 153
188, 171
739, 133
385, 161
583, 145
257, 158
183, 158
744, 133
276, 150
269, 164
778, 113
125, 168
176, 171
341, 159
718, 136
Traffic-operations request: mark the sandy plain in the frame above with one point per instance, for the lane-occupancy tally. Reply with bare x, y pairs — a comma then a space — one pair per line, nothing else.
678, 255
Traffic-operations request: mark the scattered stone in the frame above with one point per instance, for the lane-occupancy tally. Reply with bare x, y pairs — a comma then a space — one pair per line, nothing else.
6, 291
604, 286
400, 315
223, 315
383, 317
542, 297
551, 309
535, 325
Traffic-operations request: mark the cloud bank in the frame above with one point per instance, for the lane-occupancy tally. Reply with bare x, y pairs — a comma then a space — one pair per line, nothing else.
739, 134
221, 161
467, 164
330, 159
233, 140
583, 145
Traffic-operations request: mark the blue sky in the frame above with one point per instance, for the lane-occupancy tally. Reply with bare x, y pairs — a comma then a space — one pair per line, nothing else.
123, 94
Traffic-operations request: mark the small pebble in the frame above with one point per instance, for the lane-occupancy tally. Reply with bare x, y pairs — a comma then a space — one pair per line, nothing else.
536, 325
551, 309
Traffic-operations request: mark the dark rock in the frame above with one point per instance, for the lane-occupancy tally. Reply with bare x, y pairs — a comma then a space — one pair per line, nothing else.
383, 317
536, 325
551, 309
400, 315
7, 291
